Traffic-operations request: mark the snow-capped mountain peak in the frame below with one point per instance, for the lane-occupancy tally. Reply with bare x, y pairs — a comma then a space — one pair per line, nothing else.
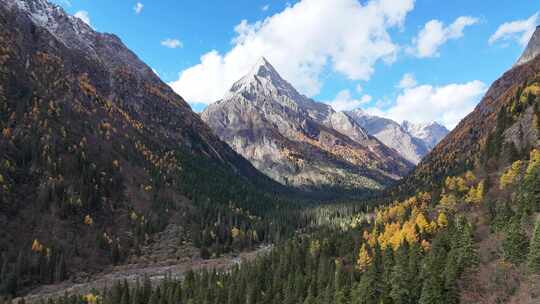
75, 34
430, 133
263, 78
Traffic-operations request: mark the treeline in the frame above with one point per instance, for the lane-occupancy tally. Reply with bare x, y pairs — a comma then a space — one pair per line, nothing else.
96, 171
420, 250
318, 270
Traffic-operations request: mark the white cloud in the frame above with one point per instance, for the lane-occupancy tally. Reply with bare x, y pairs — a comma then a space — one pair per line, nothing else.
407, 81
84, 16
519, 30
172, 43
446, 104
265, 7
359, 88
304, 39
138, 8
344, 102
434, 34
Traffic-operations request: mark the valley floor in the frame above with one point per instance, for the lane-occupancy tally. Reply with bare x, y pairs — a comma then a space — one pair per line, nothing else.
133, 272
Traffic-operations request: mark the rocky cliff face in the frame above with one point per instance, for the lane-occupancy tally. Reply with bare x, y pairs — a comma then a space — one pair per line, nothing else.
392, 135
533, 48
296, 140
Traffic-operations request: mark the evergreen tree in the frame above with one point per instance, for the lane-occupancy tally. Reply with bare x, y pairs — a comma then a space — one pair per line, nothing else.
399, 277
432, 287
515, 243
415, 284
533, 259
467, 252
364, 291
451, 275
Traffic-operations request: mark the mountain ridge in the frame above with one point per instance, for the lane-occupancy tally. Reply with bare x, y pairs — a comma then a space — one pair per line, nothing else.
412, 143
98, 155
296, 140
532, 49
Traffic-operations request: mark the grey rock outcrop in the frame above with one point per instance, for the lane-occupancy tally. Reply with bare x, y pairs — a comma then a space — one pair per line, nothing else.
533, 48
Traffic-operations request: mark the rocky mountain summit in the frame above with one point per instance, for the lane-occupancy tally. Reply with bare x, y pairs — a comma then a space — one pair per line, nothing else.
430, 133
412, 146
533, 48
298, 141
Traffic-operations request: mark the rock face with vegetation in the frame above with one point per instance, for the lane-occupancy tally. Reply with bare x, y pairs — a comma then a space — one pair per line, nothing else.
97, 154
102, 164
503, 124
298, 141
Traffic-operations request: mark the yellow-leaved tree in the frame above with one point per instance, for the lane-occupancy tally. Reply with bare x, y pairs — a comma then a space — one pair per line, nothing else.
476, 194
364, 259
534, 161
442, 220
422, 223
511, 175
448, 201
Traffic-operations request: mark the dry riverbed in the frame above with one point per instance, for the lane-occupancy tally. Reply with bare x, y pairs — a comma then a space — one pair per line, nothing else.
134, 272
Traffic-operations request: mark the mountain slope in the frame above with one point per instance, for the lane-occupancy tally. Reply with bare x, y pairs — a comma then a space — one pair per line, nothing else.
97, 155
501, 125
391, 134
533, 48
297, 141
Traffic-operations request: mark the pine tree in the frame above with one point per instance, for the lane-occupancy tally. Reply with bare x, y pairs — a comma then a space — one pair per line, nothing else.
468, 256
533, 259
364, 291
399, 277
515, 243
451, 274
432, 287
415, 284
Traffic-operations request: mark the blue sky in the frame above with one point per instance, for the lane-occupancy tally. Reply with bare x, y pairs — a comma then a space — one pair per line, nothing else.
346, 52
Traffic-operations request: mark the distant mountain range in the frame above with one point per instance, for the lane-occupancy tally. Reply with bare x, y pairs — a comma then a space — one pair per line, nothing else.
412, 141
298, 141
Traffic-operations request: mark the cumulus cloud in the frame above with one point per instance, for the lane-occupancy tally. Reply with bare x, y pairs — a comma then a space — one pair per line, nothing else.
519, 30
84, 16
172, 43
344, 102
407, 81
344, 36
138, 8
446, 104
434, 34
264, 8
